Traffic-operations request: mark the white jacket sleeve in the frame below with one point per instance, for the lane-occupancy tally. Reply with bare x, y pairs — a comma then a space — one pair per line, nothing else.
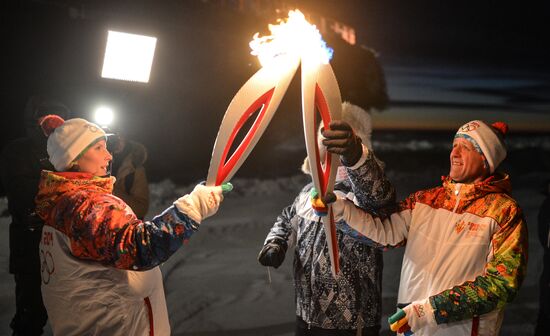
392, 230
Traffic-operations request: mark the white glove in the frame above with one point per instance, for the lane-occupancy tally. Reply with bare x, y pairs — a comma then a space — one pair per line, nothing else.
420, 314
201, 203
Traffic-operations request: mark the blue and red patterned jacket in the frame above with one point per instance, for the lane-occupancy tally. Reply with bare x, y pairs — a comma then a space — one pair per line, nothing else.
102, 228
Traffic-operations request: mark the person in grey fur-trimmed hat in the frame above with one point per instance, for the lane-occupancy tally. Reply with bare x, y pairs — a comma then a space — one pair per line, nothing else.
324, 305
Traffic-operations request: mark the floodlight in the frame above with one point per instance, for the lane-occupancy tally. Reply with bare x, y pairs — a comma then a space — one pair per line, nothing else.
104, 116
128, 56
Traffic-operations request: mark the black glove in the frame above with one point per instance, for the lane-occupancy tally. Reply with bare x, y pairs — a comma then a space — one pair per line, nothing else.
329, 198
272, 254
341, 139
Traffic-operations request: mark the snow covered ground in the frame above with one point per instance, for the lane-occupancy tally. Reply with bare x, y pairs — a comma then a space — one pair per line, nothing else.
215, 286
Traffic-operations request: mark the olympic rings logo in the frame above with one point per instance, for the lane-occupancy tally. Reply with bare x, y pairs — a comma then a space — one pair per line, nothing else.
47, 267
471, 126
92, 128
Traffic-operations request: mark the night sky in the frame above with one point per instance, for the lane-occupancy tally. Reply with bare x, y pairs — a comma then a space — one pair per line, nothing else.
444, 62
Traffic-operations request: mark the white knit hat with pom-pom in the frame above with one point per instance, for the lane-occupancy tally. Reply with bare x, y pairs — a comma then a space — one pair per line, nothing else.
487, 139
67, 139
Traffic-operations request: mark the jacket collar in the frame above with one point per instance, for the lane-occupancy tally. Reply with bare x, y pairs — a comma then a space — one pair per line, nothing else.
496, 183
104, 184
54, 185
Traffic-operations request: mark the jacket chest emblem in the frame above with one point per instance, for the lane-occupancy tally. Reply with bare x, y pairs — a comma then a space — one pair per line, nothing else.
471, 229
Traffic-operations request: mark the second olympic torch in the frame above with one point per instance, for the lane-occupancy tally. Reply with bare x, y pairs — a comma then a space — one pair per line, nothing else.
320, 92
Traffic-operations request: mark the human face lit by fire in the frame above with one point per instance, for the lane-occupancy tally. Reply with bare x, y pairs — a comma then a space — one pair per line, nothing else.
95, 159
467, 164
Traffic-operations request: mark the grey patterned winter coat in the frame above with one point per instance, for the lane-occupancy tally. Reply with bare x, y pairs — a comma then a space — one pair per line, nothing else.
355, 298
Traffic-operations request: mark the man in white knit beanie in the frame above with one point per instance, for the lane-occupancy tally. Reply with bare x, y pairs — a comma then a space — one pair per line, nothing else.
488, 140
465, 241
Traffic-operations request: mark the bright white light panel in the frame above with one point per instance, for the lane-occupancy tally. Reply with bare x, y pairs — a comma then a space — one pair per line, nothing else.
128, 57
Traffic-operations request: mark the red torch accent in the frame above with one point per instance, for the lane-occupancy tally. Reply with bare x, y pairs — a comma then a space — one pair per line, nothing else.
322, 107
227, 165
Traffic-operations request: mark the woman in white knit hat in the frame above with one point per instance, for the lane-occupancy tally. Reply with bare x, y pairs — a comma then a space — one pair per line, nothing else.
100, 273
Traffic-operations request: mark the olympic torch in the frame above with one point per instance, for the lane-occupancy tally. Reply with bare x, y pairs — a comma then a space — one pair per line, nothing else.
320, 92
262, 93
290, 42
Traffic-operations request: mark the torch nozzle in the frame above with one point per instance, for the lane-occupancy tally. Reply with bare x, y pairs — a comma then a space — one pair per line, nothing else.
227, 187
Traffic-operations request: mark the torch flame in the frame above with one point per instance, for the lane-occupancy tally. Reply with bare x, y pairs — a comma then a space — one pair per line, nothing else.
291, 38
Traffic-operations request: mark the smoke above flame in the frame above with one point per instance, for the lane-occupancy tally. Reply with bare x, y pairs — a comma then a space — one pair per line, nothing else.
291, 38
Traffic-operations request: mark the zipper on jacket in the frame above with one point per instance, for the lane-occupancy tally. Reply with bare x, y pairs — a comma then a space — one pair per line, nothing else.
456, 192
457, 195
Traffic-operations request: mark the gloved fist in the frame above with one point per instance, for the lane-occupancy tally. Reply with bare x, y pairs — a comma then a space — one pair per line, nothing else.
272, 254
413, 317
202, 202
341, 139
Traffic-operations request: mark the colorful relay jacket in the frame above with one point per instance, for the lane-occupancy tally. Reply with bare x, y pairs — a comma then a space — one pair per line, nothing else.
466, 250
355, 298
99, 262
